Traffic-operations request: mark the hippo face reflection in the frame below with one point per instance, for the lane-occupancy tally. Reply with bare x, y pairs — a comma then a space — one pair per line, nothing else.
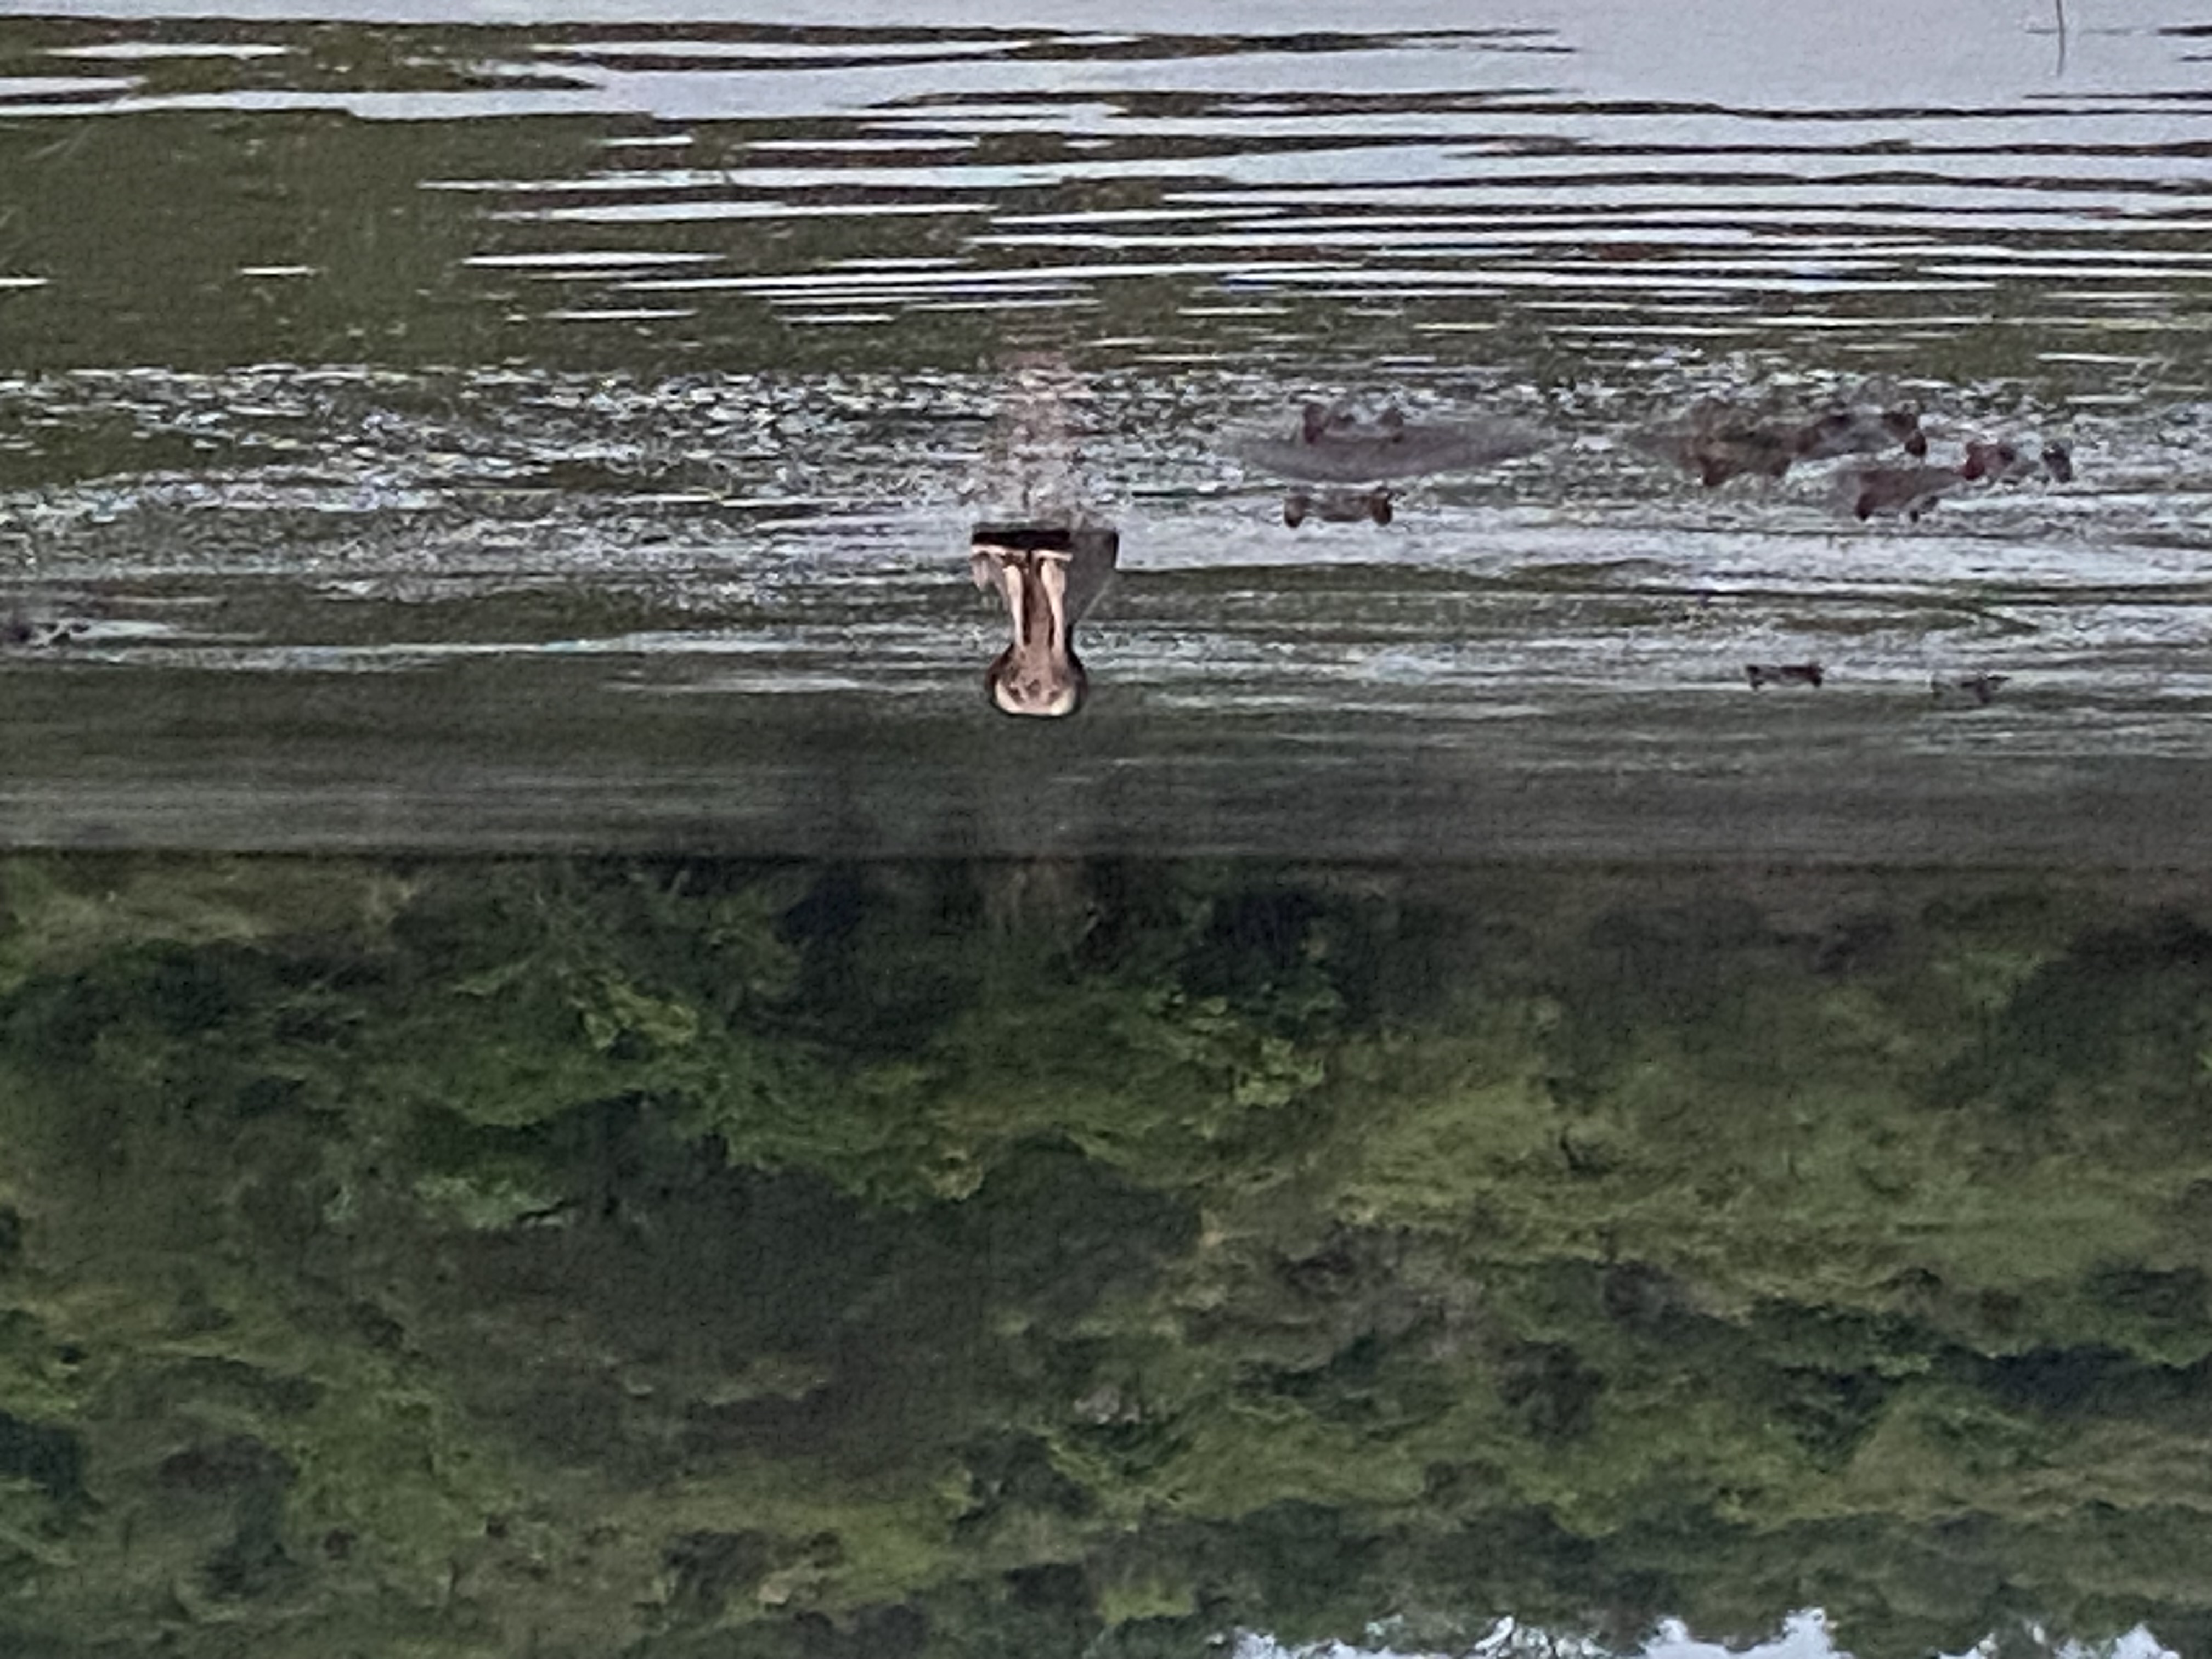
1047, 576
1337, 506
1334, 444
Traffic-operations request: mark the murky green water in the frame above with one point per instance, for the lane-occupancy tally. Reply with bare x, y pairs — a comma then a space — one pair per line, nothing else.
568, 1088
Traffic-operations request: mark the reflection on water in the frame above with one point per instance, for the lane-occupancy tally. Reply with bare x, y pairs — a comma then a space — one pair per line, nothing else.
1201, 178
1050, 561
468, 409
1659, 598
1046, 575
683, 1257
451, 607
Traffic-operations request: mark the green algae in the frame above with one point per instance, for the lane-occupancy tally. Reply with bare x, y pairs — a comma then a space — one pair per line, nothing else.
688, 1259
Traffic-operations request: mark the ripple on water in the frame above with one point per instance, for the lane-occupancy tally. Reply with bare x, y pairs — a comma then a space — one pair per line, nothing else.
729, 286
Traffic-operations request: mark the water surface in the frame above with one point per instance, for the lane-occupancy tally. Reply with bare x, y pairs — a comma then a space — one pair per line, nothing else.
468, 431
1431, 1101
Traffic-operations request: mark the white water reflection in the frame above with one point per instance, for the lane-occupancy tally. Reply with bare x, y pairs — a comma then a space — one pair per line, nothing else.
1563, 155
1804, 1635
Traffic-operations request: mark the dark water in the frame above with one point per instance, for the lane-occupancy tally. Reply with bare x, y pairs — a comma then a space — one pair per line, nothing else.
568, 1088
439, 427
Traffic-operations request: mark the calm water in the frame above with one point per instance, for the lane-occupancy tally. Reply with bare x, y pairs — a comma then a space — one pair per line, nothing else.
1432, 1102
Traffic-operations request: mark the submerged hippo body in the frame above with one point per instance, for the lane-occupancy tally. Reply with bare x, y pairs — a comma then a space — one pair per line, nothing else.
1337, 506
1888, 491
1965, 690
2007, 462
1728, 452
1718, 441
1334, 445
1843, 430
1761, 675
1912, 490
